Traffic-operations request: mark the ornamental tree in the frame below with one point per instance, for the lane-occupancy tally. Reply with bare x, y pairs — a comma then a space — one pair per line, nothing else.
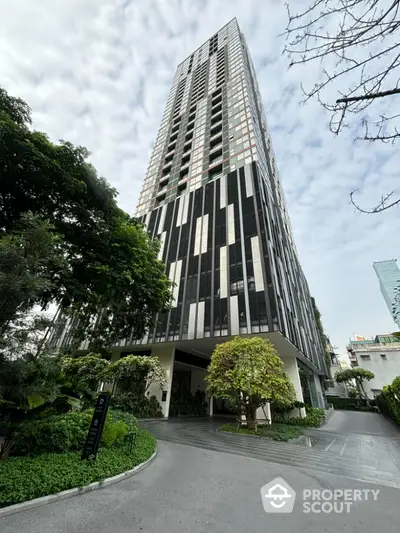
357, 375
135, 373
248, 372
83, 374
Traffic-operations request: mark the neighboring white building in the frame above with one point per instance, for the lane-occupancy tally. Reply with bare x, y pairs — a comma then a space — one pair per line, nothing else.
381, 356
333, 388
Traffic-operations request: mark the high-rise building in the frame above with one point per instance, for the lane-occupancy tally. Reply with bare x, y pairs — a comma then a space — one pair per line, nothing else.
213, 197
388, 274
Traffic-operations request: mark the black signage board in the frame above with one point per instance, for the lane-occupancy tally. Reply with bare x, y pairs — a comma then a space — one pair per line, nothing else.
96, 427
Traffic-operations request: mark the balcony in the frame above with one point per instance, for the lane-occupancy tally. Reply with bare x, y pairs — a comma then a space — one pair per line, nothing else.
215, 130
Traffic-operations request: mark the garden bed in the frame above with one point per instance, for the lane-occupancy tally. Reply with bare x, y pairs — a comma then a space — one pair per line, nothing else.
26, 478
279, 432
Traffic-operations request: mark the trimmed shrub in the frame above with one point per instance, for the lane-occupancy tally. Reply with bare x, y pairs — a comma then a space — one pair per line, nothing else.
315, 417
66, 432
351, 404
25, 478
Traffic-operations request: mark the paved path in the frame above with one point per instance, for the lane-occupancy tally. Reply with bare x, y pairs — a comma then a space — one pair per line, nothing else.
193, 490
373, 458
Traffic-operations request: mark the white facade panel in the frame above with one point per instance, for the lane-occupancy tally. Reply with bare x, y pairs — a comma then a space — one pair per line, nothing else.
256, 255
200, 320
222, 198
204, 235
231, 224
192, 320
163, 237
197, 237
234, 314
223, 267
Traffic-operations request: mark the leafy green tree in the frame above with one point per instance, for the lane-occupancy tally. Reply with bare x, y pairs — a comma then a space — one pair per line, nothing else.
30, 257
132, 377
136, 373
111, 279
83, 374
248, 372
357, 375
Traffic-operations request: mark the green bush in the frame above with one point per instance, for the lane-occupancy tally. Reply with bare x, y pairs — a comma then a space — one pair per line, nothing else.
66, 432
114, 433
25, 478
388, 401
126, 417
351, 404
139, 405
315, 417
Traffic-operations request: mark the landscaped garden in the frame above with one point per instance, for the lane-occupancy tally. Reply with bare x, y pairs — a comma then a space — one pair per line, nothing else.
45, 414
41, 472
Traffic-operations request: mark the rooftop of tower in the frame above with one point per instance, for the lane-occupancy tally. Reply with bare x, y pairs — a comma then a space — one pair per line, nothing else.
206, 41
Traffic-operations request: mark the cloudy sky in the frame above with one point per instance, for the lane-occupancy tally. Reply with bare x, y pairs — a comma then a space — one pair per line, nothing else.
98, 72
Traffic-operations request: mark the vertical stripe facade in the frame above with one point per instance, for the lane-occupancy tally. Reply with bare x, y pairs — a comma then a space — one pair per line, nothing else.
234, 272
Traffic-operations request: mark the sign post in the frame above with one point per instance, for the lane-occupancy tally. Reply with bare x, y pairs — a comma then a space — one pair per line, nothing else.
96, 427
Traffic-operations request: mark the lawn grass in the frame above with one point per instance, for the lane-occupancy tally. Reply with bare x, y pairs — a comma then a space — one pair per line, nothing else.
279, 432
25, 478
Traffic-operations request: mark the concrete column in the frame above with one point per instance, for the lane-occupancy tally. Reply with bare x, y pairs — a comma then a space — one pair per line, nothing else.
166, 356
320, 395
211, 405
292, 370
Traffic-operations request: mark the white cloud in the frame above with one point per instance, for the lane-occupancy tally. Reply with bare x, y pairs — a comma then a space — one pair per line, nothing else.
98, 73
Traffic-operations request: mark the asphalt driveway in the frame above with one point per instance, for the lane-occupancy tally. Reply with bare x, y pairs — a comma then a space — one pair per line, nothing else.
362, 446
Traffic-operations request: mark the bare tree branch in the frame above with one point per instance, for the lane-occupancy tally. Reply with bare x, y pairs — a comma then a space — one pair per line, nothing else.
357, 45
382, 205
368, 96
360, 37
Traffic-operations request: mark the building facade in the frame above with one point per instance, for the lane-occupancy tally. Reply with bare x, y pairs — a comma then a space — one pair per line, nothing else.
213, 197
333, 388
388, 274
381, 356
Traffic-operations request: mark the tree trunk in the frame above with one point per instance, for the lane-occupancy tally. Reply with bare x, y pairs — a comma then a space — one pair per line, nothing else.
362, 391
5, 447
251, 418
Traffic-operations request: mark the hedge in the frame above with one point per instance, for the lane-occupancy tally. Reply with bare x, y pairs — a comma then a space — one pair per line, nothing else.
278, 432
25, 478
351, 404
68, 432
315, 417
388, 401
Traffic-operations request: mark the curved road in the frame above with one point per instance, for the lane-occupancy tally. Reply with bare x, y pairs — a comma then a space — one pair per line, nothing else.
198, 487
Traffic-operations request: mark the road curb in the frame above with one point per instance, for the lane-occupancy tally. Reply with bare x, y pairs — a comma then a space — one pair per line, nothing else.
69, 493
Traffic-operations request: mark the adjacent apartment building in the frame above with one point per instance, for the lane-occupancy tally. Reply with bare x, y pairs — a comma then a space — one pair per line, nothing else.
333, 388
213, 197
381, 356
388, 274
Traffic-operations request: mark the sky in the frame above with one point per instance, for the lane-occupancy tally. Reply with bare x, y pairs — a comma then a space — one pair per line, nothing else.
98, 73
